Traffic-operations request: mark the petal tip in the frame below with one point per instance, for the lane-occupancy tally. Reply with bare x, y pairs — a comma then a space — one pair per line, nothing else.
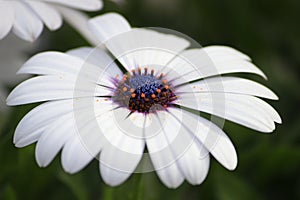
17, 144
40, 162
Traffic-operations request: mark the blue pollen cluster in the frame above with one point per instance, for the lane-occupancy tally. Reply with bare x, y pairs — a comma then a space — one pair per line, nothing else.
143, 92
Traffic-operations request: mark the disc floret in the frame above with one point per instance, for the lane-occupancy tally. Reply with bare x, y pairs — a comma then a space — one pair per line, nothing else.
143, 91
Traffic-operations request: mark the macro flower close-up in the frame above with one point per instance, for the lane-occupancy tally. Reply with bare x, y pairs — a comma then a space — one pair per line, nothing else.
26, 18
143, 95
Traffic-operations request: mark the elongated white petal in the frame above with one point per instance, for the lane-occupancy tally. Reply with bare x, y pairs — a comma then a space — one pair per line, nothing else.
75, 156
79, 21
7, 16
135, 47
117, 124
86, 114
85, 53
56, 63
108, 25
170, 175
198, 63
57, 87
89, 5
98, 57
49, 15
230, 85
53, 139
224, 52
175, 149
27, 24
116, 171
269, 109
211, 136
167, 144
89, 139
50, 63
123, 139
162, 157
190, 155
194, 163
145, 48
21, 139
37, 120
246, 110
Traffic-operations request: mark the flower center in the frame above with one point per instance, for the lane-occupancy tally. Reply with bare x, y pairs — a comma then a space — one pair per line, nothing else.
143, 92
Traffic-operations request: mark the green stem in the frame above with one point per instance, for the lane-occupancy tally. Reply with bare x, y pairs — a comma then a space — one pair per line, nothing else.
140, 187
107, 193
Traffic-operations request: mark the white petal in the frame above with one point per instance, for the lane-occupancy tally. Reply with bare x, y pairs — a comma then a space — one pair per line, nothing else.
89, 139
145, 48
161, 138
117, 124
170, 175
133, 47
224, 52
230, 85
79, 21
85, 53
211, 136
124, 144
197, 63
108, 25
190, 155
174, 144
75, 156
269, 109
27, 24
246, 110
7, 16
45, 115
47, 63
117, 165
47, 13
89, 5
44, 88
22, 139
38, 119
194, 163
53, 139
98, 57
50, 63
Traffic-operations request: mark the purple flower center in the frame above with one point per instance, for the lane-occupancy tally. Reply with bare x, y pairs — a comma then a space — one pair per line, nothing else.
143, 92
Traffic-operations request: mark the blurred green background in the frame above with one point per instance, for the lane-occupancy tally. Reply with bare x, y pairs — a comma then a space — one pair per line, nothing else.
269, 164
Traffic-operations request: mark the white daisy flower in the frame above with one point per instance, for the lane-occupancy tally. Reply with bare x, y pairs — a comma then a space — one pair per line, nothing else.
139, 100
26, 17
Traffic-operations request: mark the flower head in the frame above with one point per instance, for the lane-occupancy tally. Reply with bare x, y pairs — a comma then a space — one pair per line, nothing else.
141, 98
26, 17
